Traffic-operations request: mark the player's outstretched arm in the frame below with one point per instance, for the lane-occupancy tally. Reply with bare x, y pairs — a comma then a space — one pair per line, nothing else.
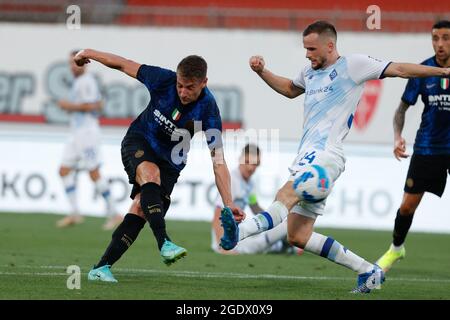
223, 183
83, 107
108, 59
399, 122
411, 70
280, 84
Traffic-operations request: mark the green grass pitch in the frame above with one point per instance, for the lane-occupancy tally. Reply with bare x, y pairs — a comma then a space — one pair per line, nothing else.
34, 256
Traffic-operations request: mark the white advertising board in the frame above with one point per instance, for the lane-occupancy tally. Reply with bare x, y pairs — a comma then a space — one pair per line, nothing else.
366, 195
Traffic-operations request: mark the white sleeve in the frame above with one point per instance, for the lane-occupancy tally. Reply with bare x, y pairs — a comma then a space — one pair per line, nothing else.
362, 67
299, 81
88, 91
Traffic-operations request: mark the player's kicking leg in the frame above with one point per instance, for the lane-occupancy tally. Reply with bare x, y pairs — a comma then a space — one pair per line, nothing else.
300, 234
263, 221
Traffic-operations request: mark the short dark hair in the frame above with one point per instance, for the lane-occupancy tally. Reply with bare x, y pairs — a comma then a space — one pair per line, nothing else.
251, 149
321, 27
442, 24
193, 67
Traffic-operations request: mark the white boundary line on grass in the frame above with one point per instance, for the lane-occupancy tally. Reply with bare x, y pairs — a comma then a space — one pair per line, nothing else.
198, 274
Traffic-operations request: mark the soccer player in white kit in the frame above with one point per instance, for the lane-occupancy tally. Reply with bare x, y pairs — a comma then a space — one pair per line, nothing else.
242, 188
333, 86
82, 149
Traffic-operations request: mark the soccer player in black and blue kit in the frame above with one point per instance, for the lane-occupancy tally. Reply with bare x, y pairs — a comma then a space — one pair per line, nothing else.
153, 154
430, 162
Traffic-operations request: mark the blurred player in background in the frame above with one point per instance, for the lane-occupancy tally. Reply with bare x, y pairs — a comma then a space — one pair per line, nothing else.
430, 162
333, 86
82, 151
180, 105
242, 185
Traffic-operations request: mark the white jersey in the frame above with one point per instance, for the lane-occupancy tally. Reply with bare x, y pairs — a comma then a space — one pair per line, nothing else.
240, 190
331, 98
84, 90
82, 150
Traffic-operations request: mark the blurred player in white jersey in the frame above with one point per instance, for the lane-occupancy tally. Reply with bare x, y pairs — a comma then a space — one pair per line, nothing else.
273, 240
333, 86
82, 150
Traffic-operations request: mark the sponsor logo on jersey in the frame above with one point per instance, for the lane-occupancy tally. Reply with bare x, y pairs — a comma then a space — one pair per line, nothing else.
320, 90
439, 99
164, 121
378, 60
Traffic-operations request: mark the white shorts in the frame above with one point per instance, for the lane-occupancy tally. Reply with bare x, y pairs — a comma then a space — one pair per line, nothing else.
82, 152
333, 163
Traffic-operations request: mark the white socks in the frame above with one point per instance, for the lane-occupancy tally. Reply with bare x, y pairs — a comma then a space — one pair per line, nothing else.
395, 248
332, 250
262, 242
264, 220
69, 182
103, 188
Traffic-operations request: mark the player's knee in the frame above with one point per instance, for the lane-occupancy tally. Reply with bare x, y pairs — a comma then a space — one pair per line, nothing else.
136, 207
407, 208
287, 196
94, 175
63, 171
148, 172
297, 240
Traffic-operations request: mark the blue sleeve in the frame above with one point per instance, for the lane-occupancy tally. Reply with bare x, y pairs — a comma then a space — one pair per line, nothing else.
154, 77
411, 92
212, 126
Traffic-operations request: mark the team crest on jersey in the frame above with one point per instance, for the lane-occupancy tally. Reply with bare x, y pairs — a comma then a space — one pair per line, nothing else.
445, 83
333, 74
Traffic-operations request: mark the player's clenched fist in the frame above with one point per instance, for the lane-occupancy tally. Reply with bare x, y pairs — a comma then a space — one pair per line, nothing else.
257, 63
81, 58
400, 148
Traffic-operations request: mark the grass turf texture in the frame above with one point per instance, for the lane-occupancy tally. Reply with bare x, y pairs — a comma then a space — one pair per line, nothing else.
34, 256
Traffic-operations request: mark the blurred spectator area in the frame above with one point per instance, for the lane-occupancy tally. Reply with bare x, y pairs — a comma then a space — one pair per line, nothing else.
349, 15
